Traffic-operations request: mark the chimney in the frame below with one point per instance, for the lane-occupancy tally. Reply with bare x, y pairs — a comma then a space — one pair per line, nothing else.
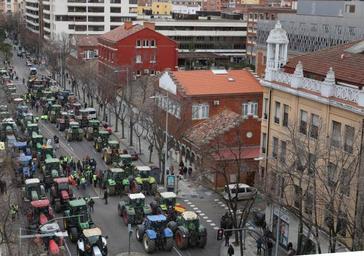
150, 25
128, 24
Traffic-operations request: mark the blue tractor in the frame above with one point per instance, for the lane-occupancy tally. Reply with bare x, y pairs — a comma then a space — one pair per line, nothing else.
155, 234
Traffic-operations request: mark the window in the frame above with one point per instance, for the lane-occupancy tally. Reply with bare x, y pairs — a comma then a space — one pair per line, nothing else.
200, 111
349, 138
331, 174
265, 113
138, 44
138, 59
285, 115
303, 121
277, 113
250, 109
336, 134
282, 156
152, 43
145, 43
264, 142
349, 8
275, 147
314, 126
308, 202
345, 178
138, 73
153, 58
297, 196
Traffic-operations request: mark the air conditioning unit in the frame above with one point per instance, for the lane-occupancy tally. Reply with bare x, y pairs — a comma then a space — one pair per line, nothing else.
146, 71
216, 102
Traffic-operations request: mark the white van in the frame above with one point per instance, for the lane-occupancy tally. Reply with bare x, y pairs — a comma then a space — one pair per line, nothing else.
91, 113
33, 71
244, 191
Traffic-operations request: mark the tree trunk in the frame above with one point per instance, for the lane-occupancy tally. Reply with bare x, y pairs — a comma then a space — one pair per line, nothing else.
140, 145
123, 128
131, 131
150, 156
116, 121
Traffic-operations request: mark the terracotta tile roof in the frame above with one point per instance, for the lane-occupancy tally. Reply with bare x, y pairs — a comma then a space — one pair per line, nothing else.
209, 129
205, 82
348, 67
87, 41
120, 33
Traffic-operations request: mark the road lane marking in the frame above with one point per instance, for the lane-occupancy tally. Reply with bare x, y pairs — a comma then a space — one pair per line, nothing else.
216, 228
195, 208
208, 221
216, 200
212, 224
205, 217
177, 251
192, 205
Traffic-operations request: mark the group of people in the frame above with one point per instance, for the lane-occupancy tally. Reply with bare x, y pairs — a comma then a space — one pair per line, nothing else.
182, 171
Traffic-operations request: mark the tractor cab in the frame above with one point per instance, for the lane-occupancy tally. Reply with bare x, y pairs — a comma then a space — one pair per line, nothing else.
55, 113
51, 170
46, 151
83, 118
111, 152
37, 140
32, 127
77, 218
92, 242
74, 132
63, 96
101, 140
134, 210
92, 129
188, 219
143, 171
145, 181
114, 179
125, 160
24, 169
41, 213
61, 193
136, 200
63, 122
166, 203
8, 127
76, 108
33, 190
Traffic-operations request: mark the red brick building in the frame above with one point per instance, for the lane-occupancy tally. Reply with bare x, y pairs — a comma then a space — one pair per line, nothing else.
210, 105
86, 47
139, 49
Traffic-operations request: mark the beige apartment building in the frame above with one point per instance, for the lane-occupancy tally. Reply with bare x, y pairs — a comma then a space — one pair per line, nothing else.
310, 164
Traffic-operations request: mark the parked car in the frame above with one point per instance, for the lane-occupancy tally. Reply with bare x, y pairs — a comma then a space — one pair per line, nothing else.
28, 63
239, 191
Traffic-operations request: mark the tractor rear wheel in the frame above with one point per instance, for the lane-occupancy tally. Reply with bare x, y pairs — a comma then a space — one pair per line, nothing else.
169, 244
181, 242
149, 244
139, 232
73, 234
125, 217
202, 241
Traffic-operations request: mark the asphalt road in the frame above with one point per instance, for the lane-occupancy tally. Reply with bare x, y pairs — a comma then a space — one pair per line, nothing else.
206, 203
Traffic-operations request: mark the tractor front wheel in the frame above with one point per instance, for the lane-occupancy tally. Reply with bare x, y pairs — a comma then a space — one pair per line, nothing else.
139, 232
202, 241
149, 244
74, 234
181, 241
169, 244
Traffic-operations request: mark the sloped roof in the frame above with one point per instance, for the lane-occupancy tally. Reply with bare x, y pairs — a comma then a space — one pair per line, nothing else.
120, 33
209, 129
347, 64
206, 82
86, 40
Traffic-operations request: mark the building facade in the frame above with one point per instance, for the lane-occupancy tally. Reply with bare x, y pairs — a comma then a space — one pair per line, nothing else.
311, 143
211, 5
137, 48
9, 6
82, 17
317, 25
204, 102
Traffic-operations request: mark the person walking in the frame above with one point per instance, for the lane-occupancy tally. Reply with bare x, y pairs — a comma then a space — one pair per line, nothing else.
56, 142
94, 179
189, 171
91, 204
227, 238
291, 251
259, 246
185, 172
230, 250
106, 195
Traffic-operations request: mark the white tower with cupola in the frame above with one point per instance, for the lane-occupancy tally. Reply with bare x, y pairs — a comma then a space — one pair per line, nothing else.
277, 50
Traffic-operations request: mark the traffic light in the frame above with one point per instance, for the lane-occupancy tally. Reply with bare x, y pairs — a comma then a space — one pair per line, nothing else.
220, 234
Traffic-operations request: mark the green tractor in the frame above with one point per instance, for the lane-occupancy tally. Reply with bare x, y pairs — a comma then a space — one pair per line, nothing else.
188, 231
26, 118
55, 113
32, 127
51, 170
83, 118
116, 180
134, 210
63, 122
144, 181
8, 127
74, 132
101, 141
44, 151
77, 218
110, 154
93, 129
36, 143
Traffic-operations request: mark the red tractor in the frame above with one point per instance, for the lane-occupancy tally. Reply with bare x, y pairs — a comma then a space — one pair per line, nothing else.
53, 238
39, 214
61, 193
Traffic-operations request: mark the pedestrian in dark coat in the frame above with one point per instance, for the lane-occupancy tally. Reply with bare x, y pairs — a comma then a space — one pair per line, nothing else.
189, 171
91, 203
185, 172
270, 247
231, 250
106, 195
227, 238
259, 246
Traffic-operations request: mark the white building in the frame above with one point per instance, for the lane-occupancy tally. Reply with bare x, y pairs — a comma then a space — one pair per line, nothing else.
85, 17
186, 9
